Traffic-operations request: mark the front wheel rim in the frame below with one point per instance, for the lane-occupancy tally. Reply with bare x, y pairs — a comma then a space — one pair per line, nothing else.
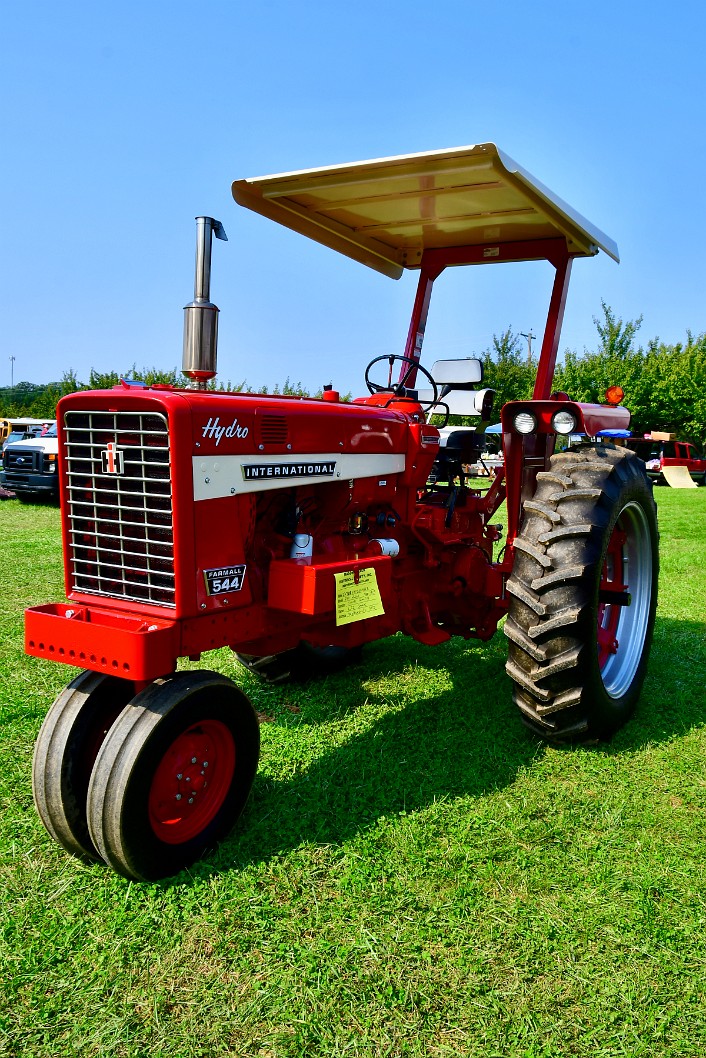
191, 782
622, 625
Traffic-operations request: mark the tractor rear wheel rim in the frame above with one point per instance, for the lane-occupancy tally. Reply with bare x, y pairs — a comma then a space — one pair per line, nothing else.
191, 782
622, 626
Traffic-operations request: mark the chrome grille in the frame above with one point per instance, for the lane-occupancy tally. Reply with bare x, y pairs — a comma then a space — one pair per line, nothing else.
119, 505
23, 459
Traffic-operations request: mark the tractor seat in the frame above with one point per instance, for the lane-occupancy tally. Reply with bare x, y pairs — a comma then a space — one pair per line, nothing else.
455, 380
459, 446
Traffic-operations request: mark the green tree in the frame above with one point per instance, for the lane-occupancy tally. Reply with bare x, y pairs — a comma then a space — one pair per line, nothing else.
615, 363
664, 385
616, 337
507, 370
674, 382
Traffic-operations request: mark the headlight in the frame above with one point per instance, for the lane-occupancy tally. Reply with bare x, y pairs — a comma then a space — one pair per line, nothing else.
525, 422
564, 421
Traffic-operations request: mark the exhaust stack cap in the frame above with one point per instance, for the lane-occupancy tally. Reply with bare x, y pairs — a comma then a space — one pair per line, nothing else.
201, 315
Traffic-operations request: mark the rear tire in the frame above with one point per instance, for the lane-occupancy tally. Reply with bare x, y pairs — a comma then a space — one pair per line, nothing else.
173, 775
305, 662
583, 594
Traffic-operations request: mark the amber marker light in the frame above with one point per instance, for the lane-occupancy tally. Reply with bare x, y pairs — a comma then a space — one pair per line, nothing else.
614, 395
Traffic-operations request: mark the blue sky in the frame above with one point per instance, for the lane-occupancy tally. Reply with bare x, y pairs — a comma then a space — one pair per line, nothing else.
120, 123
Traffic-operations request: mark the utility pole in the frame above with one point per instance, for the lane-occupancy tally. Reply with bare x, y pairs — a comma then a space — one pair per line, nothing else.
12, 376
529, 338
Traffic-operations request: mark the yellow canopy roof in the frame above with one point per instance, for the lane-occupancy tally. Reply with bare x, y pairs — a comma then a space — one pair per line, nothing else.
387, 211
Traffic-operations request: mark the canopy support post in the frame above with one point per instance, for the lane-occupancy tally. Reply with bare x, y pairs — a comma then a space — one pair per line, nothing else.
418, 323
552, 331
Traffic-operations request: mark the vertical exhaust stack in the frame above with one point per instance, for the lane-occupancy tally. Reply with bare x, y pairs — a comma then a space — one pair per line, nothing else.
201, 315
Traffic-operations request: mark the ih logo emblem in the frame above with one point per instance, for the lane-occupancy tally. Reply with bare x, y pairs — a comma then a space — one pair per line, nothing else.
113, 459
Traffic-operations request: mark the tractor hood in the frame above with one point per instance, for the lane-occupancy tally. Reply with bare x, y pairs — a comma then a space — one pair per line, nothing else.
386, 212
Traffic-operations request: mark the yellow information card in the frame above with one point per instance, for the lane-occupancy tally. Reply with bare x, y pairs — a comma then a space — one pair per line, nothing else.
357, 599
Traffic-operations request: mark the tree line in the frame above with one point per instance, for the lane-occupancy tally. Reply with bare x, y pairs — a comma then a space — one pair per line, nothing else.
665, 385
36, 401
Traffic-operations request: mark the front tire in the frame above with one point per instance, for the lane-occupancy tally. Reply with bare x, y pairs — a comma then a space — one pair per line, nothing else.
173, 775
583, 594
65, 751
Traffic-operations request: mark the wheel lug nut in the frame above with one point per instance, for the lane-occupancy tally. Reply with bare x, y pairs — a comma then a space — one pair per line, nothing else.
191, 800
180, 775
205, 764
193, 760
178, 797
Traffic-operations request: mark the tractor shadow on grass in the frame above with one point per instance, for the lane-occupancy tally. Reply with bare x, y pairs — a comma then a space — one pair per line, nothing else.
464, 742
334, 697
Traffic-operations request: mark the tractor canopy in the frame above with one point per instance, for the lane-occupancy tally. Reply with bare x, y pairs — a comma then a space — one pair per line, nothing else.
388, 212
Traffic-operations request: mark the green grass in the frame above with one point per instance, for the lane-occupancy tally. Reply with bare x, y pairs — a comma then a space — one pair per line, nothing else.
414, 875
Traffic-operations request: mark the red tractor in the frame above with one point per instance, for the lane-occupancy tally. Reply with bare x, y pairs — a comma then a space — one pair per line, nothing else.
295, 530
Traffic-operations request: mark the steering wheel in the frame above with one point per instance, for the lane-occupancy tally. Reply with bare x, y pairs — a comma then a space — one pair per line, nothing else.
398, 389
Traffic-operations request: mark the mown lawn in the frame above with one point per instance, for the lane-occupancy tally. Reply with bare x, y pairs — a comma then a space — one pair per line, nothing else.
415, 874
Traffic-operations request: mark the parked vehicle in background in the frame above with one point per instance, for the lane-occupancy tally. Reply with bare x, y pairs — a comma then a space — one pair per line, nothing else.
15, 429
29, 465
659, 450
14, 435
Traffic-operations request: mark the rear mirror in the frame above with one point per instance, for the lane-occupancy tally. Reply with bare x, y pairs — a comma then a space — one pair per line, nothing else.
458, 373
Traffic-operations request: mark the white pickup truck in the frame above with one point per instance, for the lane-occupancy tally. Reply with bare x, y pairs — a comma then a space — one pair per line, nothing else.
29, 466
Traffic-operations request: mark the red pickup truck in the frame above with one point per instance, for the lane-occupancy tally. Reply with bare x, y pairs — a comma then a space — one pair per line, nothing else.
657, 453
